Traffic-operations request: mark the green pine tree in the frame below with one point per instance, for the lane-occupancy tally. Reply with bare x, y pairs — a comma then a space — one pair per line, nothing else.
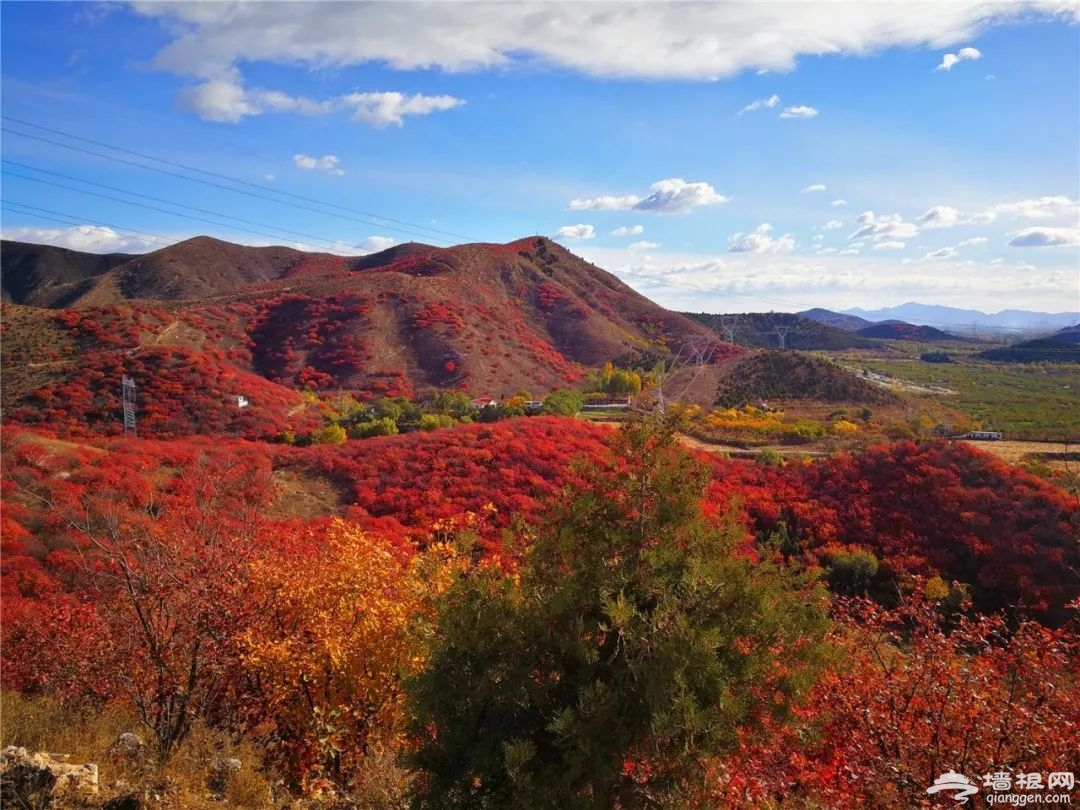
632, 637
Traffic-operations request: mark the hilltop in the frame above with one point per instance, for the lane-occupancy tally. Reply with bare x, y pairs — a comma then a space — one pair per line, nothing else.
851, 323
791, 375
493, 319
41, 275
47, 276
899, 330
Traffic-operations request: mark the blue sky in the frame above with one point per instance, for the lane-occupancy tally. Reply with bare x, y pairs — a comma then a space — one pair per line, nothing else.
682, 146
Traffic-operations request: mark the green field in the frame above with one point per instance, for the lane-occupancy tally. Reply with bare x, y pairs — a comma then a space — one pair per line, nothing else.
1037, 401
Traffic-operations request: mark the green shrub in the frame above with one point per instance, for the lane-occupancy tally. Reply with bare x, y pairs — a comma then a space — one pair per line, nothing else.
851, 573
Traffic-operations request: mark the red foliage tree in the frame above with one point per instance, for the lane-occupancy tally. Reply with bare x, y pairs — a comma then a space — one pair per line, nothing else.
917, 693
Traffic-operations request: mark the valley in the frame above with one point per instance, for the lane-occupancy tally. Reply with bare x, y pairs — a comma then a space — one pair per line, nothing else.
539, 406
387, 475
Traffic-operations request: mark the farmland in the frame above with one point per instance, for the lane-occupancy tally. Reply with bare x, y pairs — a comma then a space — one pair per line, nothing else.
1036, 401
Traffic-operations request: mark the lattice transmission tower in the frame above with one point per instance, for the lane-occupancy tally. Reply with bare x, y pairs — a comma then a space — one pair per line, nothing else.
127, 397
781, 334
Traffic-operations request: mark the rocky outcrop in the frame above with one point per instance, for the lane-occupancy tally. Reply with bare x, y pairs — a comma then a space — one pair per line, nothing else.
34, 780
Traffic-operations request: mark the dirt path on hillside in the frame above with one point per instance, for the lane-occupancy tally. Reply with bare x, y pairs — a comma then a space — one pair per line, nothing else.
708, 447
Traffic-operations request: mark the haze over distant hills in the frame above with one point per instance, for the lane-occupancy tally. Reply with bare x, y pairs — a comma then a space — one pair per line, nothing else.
954, 318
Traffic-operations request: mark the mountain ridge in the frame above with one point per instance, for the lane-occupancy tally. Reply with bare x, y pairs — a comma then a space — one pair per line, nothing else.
957, 318
494, 319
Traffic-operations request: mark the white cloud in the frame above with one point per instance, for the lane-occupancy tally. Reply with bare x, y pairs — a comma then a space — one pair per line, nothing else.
221, 100
268, 177
941, 253
851, 251
575, 232
759, 241
671, 196
1047, 207
838, 203
644, 245
814, 187
940, 216
705, 41
890, 245
605, 203
226, 100
890, 227
771, 101
377, 243
833, 224
748, 282
963, 55
382, 109
1038, 208
627, 230
675, 195
87, 238
818, 238
1045, 237
973, 241
327, 163
801, 111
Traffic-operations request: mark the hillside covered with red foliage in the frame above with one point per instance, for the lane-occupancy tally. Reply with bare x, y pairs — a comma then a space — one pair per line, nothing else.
930, 509
329, 543
493, 319
236, 573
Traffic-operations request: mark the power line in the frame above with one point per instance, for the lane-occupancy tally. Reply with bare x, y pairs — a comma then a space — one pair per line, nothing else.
70, 219
219, 185
219, 176
170, 202
272, 235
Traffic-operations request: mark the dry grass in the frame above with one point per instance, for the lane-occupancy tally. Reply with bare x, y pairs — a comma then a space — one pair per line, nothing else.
41, 724
1052, 453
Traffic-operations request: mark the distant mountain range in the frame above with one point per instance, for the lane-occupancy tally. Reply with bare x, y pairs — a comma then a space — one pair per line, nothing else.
890, 329
962, 320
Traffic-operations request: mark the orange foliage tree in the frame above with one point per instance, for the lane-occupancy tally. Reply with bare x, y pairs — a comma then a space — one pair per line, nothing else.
337, 612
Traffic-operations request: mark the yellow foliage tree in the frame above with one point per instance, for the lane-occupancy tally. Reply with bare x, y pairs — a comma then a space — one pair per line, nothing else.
842, 427
335, 638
